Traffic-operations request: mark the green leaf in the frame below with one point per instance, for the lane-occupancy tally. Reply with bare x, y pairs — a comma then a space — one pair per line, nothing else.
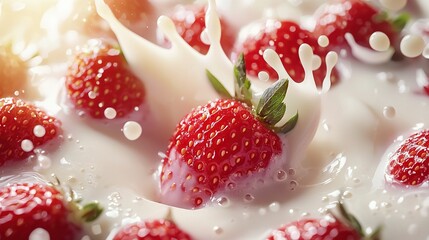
242, 83
217, 85
401, 21
91, 211
275, 116
352, 220
272, 98
288, 126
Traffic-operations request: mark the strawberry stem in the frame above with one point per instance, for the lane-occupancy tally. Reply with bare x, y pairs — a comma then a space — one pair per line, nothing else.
271, 107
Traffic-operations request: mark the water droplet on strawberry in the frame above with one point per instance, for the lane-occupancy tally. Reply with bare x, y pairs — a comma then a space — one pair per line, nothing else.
293, 185
281, 175
249, 198
223, 202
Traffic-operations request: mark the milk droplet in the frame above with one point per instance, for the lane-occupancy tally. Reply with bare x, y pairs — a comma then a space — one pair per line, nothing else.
223, 201
27, 145
44, 162
132, 130
39, 234
293, 184
389, 112
379, 41
281, 175
373, 205
291, 171
323, 41
274, 207
347, 194
92, 95
263, 76
393, 5
249, 197
39, 131
110, 113
412, 46
262, 211
96, 229
217, 230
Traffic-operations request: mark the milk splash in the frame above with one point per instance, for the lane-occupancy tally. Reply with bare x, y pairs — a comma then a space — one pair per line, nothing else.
176, 80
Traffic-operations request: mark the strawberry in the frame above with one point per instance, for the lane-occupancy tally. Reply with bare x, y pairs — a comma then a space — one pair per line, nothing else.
223, 142
130, 11
345, 227
13, 72
99, 77
284, 37
134, 14
29, 206
408, 165
18, 122
190, 23
357, 17
152, 230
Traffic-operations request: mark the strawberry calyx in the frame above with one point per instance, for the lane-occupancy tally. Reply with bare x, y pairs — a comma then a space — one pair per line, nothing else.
88, 212
270, 108
350, 220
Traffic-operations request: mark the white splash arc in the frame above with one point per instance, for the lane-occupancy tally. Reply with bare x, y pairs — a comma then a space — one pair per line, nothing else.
175, 78
176, 81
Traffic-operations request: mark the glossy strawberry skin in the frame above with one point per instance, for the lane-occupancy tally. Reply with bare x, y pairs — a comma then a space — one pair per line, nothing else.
153, 230
214, 146
354, 16
190, 23
284, 37
27, 206
315, 229
409, 165
99, 77
17, 122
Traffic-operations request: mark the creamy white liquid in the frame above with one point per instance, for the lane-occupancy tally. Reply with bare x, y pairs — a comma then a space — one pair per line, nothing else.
338, 147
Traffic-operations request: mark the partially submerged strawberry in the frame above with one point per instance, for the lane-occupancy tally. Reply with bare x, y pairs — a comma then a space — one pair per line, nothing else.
408, 166
161, 229
28, 207
284, 37
190, 24
332, 227
357, 17
19, 121
224, 142
99, 77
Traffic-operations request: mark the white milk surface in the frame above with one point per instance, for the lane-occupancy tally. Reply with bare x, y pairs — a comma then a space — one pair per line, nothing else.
339, 146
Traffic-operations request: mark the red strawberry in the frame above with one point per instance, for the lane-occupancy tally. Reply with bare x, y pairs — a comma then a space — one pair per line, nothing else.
409, 164
329, 227
190, 23
134, 14
357, 17
284, 37
13, 72
99, 77
152, 230
18, 120
223, 142
28, 206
